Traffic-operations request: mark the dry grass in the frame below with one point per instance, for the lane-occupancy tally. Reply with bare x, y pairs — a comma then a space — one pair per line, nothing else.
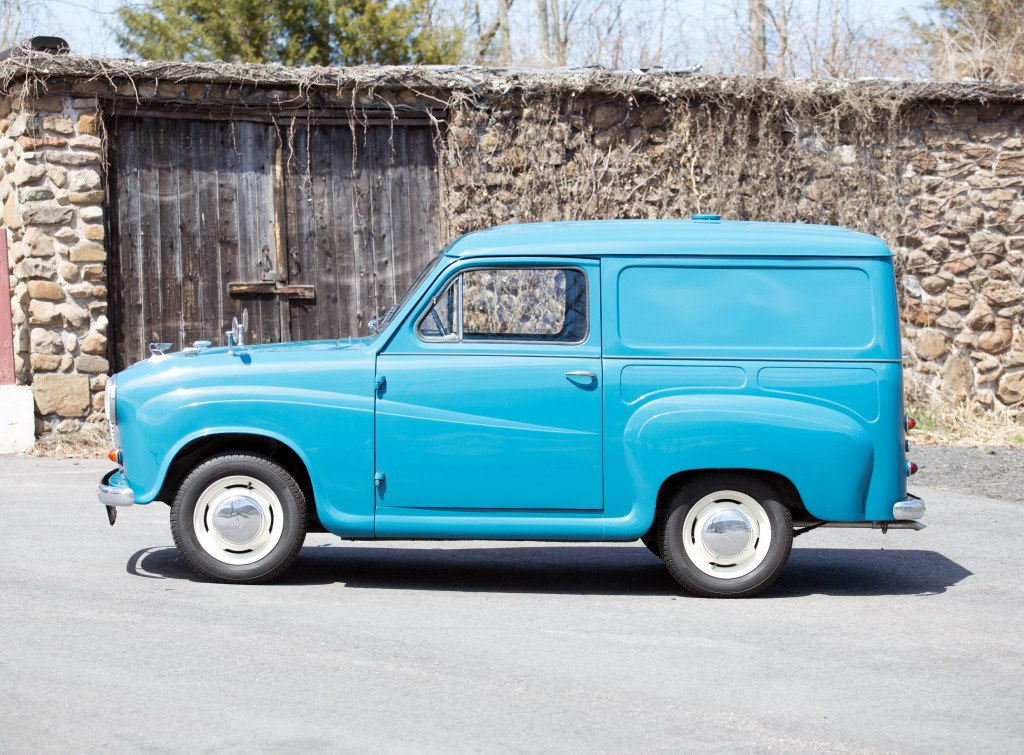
945, 420
91, 442
959, 424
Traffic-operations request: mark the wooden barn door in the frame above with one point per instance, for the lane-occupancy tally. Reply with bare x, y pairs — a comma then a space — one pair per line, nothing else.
193, 209
360, 224
209, 216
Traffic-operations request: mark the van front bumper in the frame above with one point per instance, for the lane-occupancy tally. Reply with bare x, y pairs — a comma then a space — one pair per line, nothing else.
114, 492
910, 508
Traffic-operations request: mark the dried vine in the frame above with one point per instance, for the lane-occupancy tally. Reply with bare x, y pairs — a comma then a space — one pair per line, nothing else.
531, 145
521, 145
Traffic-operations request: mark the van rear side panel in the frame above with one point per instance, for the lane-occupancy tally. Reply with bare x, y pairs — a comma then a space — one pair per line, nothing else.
790, 366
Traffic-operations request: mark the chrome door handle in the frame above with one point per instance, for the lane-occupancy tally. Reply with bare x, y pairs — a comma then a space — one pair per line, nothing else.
581, 373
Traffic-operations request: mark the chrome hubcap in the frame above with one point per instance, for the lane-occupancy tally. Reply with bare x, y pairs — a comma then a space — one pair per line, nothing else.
727, 533
238, 520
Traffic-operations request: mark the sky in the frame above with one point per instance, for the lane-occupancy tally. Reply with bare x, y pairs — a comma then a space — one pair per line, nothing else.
86, 24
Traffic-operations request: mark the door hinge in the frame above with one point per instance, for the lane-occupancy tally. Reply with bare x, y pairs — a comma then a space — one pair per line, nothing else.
378, 479
379, 383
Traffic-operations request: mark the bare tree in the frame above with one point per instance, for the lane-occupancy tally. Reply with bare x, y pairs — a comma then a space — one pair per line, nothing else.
757, 16
779, 17
561, 14
974, 53
544, 31
977, 39
505, 41
630, 34
555, 27
484, 37
819, 38
12, 14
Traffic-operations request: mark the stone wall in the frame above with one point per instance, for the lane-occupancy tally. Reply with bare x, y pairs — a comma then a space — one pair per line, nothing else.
941, 182
938, 177
52, 193
964, 261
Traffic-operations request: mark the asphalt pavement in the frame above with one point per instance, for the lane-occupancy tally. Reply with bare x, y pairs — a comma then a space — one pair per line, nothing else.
908, 641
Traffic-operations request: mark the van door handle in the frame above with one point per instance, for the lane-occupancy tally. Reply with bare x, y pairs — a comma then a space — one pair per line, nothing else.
582, 374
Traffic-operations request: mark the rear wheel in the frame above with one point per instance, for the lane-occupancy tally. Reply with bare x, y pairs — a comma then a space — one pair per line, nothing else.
239, 518
725, 535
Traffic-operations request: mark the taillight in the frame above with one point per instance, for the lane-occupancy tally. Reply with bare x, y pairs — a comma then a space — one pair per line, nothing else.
911, 468
910, 423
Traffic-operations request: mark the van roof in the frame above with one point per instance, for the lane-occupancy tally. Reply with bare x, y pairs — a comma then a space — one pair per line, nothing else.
694, 237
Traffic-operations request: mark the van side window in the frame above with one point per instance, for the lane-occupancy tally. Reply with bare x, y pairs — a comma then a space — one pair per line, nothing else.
510, 304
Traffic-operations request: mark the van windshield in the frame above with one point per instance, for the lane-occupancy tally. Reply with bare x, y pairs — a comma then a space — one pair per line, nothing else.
378, 325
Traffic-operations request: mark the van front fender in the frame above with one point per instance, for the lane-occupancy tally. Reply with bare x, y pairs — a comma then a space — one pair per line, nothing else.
701, 431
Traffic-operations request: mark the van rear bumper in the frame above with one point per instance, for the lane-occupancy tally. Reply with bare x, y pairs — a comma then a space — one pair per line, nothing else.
910, 508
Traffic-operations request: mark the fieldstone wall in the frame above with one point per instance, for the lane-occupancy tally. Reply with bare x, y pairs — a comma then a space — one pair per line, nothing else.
963, 276
941, 182
938, 177
52, 193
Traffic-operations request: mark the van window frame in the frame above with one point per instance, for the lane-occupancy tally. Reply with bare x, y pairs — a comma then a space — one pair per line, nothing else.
460, 340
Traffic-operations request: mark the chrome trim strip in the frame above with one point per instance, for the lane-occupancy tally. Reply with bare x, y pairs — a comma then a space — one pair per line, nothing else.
114, 495
851, 360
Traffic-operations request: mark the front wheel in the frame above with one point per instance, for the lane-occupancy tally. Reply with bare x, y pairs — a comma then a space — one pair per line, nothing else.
725, 535
650, 540
239, 518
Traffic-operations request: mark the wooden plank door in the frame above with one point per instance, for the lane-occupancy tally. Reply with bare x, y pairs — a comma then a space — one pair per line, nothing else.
192, 209
361, 222
210, 216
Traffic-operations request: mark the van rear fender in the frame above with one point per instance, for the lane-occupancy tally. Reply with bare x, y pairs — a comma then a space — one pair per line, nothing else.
825, 453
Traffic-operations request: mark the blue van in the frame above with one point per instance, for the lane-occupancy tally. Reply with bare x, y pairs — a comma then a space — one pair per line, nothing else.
711, 388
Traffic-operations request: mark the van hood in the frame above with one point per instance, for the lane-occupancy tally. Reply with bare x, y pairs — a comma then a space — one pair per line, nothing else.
296, 347
269, 360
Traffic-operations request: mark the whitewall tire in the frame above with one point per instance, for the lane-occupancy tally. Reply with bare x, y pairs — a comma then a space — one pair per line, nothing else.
725, 535
239, 518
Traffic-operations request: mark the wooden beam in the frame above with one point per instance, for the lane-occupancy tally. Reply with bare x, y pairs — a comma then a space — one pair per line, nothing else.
403, 115
271, 288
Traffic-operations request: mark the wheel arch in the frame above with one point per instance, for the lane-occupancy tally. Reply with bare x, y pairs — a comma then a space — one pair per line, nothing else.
791, 498
820, 457
194, 451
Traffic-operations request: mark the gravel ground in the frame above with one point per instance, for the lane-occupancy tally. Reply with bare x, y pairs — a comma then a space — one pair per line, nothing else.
990, 472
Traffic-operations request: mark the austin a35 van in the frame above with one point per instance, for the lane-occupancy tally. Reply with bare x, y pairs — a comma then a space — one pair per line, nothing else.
710, 388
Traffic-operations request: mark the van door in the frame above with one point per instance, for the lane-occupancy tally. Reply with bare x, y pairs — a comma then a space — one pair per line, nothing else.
490, 398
